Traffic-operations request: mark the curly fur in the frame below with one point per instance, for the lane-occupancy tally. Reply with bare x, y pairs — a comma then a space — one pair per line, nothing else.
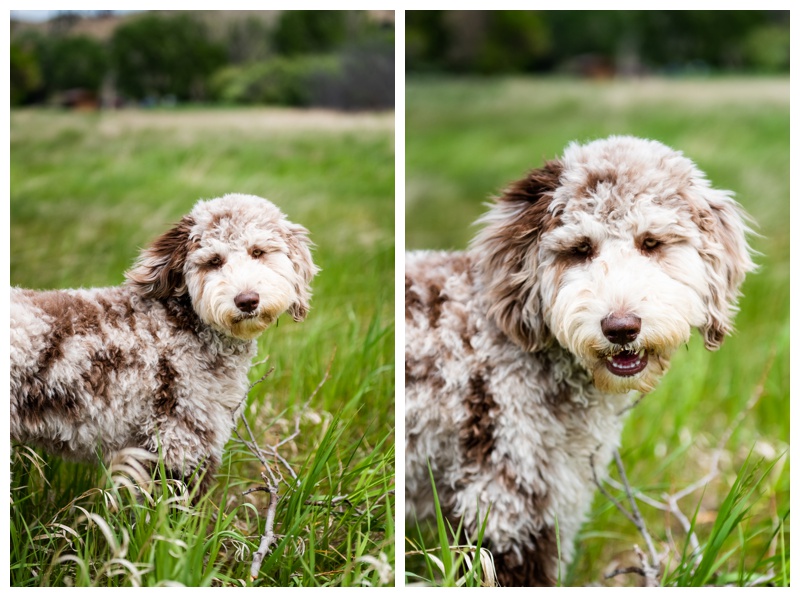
162, 360
523, 351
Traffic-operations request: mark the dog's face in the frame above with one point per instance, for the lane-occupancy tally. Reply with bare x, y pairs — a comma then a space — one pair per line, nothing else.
622, 248
241, 261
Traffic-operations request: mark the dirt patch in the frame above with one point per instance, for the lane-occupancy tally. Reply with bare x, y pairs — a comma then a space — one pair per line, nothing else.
247, 120
45, 124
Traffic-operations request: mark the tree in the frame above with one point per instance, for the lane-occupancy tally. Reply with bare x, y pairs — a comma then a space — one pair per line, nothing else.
72, 62
310, 31
25, 74
157, 56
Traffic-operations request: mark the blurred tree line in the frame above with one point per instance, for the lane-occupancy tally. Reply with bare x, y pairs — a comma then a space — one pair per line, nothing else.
336, 59
597, 43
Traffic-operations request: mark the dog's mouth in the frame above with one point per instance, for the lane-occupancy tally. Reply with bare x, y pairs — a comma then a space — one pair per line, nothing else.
626, 362
245, 316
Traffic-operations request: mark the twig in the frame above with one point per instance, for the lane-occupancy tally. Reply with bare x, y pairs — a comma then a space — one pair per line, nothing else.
650, 571
637, 515
650, 568
260, 379
632, 405
628, 570
239, 408
670, 506
254, 489
607, 495
268, 538
271, 480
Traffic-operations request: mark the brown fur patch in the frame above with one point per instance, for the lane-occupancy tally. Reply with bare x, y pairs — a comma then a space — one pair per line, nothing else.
423, 370
595, 179
118, 314
538, 184
165, 399
476, 435
537, 567
181, 314
218, 217
103, 366
71, 316
159, 271
37, 399
413, 300
533, 193
502, 249
437, 299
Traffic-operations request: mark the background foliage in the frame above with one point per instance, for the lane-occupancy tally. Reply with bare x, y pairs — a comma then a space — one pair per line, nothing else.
295, 58
597, 42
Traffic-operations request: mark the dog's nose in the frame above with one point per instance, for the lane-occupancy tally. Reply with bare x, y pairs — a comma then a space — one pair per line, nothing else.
621, 329
246, 301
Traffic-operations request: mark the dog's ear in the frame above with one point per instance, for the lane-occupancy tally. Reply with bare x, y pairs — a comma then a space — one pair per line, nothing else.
726, 255
158, 272
300, 254
507, 257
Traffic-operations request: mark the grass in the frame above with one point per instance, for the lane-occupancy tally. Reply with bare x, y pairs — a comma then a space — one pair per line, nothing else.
466, 138
87, 191
447, 565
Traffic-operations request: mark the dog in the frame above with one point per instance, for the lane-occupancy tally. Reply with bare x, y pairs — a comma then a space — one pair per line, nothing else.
161, 361
523, 352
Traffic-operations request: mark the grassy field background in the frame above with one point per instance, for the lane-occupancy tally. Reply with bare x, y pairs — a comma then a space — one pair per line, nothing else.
466, 138
87, 192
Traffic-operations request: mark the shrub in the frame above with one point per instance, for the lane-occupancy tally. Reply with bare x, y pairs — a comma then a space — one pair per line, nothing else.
359, 77
280, 81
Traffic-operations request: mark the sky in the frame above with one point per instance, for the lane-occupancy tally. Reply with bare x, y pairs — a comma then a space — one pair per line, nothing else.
43, 15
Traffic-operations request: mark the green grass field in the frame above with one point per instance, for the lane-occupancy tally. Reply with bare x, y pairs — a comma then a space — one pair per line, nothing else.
87, 192
467, 138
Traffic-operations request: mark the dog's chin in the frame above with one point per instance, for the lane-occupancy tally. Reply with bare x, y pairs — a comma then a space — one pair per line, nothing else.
628, 371
249, 327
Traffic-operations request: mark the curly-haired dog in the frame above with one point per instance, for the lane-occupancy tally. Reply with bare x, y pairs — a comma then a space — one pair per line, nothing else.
162, 360
522, 352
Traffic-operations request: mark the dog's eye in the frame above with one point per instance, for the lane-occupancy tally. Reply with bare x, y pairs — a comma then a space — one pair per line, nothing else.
215, 261
583, 249
256, 253
650, 243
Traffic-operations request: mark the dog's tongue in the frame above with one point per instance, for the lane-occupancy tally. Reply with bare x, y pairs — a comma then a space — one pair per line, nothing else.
627, 363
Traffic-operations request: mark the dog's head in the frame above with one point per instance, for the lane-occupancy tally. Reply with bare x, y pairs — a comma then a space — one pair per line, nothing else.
239, 259
616, 251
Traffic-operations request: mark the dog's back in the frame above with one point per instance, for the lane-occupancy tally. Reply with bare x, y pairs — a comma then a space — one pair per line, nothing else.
102, 368
66, 376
